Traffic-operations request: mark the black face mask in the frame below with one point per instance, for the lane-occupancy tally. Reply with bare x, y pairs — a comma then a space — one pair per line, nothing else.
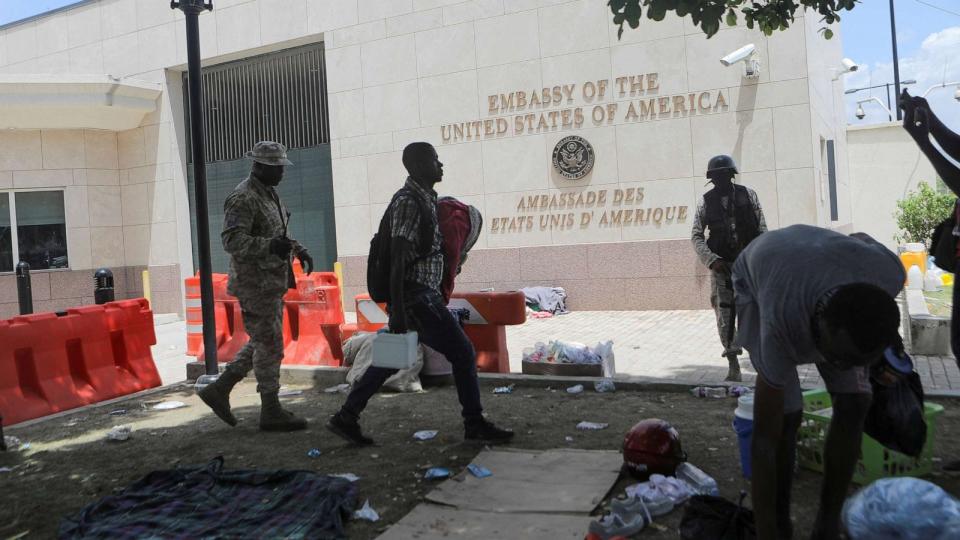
270, 175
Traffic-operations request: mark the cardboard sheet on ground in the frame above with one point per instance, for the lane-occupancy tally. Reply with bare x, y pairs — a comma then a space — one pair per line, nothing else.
534, 494
552, 481
434, 522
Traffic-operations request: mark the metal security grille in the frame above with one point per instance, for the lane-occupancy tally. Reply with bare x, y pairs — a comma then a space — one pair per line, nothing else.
279, 97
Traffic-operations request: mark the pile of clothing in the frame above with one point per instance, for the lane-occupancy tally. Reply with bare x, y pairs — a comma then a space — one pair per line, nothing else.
545, 300
569, 352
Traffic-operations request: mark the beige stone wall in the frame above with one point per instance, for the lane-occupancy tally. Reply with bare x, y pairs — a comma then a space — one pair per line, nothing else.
398, 70
885, 165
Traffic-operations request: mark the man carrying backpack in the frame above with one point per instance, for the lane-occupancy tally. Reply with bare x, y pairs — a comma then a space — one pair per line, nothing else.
405, 268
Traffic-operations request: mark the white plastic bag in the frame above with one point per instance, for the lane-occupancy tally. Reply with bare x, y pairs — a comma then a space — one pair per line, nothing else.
902, 509
605, 352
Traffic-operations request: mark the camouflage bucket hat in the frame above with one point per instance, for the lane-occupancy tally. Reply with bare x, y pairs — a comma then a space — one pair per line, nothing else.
269, 153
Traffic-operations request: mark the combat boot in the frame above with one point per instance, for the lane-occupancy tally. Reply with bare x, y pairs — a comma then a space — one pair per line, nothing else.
733, 373
274, 418
217, 395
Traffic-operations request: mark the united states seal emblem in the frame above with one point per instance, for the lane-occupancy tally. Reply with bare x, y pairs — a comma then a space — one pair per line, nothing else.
573, 157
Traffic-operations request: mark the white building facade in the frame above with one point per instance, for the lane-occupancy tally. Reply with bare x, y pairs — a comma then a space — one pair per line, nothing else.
95, 167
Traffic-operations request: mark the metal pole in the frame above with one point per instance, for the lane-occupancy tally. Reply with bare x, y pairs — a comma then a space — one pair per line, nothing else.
24, 290
191, 10
888, 102
896, 57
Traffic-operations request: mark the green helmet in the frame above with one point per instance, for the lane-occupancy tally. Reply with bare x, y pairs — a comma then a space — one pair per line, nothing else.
720, 163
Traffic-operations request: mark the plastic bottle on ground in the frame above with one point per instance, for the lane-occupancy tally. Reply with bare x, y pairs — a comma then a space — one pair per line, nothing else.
699, 481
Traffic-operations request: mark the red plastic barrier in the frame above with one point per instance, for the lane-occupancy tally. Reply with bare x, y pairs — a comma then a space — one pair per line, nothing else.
93, 353
311, 343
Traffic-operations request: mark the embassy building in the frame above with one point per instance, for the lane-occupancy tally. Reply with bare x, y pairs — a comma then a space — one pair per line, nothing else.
585, 153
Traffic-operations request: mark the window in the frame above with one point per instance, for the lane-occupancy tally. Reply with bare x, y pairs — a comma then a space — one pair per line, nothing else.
33, 229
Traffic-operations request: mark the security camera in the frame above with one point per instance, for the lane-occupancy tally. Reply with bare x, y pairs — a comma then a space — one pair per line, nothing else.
849, 65
747, 55
860, 112
956, 94
740, 54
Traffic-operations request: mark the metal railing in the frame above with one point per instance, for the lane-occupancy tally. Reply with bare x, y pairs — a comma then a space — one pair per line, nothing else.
280, 96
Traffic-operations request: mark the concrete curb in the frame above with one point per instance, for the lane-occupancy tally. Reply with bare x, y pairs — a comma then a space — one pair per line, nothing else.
94, 406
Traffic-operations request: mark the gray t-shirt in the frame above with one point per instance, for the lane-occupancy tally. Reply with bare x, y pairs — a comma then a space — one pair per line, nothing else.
780, 277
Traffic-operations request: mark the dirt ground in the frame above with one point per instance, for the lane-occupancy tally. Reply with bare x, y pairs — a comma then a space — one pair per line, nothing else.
69, 464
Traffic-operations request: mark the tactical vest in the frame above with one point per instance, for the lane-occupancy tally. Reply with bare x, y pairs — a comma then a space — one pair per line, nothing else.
721, 240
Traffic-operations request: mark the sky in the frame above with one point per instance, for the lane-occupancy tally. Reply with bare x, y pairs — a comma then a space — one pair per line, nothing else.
928, 39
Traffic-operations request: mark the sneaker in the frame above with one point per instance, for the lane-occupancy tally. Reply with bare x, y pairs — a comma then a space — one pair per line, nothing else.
615, 525
348, 430
484, 430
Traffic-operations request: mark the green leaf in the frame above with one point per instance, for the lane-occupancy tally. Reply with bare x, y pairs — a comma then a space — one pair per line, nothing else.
731, 18
828, 33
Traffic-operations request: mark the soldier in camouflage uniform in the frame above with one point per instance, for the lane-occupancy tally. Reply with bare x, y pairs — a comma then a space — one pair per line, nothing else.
733, 218
255, 236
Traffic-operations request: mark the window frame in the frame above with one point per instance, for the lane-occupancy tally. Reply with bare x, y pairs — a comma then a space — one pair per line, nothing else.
15, 237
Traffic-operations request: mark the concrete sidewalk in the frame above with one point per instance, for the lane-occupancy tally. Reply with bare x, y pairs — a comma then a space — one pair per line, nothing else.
667, 345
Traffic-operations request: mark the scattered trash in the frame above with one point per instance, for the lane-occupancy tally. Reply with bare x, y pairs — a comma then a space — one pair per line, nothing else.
436, 473
606, 385
367, 513
479, 471
706, 391
425, 435
659, 486
338, 389
288, 393
374, 456
313, 452
11, 442
575, 389
737, 391
25, 446
568, 438
169, 405
699, 481
118, 412
503, 390
5, 469
119, 433
592, 426
347, 476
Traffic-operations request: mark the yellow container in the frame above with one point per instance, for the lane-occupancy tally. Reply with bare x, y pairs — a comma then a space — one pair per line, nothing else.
946, 279
910, 258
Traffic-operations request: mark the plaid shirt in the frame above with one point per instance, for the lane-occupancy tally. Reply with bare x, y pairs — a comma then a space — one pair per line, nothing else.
405, 219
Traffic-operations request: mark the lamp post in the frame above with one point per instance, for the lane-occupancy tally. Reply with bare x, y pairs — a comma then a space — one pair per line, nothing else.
956, 94
192, 10
889, 107
896, 57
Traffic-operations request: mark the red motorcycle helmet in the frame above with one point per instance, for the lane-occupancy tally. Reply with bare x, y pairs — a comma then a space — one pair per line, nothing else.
652, 447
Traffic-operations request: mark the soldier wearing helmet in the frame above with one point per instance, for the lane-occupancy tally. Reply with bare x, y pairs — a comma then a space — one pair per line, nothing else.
255, 235
727, 219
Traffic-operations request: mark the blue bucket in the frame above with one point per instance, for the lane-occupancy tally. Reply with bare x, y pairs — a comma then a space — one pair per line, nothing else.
743, 426
744, 429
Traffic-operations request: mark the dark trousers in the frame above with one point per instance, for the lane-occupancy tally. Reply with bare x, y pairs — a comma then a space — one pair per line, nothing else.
438, 329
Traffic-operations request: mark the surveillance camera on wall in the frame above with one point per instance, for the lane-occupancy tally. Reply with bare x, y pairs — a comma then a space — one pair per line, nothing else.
956, 94
747, 55
860, 112
849, 65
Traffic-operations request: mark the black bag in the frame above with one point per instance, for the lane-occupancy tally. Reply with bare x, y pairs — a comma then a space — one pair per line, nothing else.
715, 518
943, 245
378, 259
895, 418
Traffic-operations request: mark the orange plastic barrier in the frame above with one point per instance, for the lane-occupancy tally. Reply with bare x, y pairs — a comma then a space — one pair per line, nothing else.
92, 353
311, 321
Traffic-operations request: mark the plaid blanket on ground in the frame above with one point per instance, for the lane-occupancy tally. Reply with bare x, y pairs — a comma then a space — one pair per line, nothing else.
208, 502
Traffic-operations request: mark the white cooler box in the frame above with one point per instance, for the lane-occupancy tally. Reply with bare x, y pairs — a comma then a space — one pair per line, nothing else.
395, 351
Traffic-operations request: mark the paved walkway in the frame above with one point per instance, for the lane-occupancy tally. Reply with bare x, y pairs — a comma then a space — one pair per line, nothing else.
664, 344
676, 345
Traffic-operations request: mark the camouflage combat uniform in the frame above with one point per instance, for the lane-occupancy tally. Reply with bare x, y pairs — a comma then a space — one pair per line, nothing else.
254, 214
721, 284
